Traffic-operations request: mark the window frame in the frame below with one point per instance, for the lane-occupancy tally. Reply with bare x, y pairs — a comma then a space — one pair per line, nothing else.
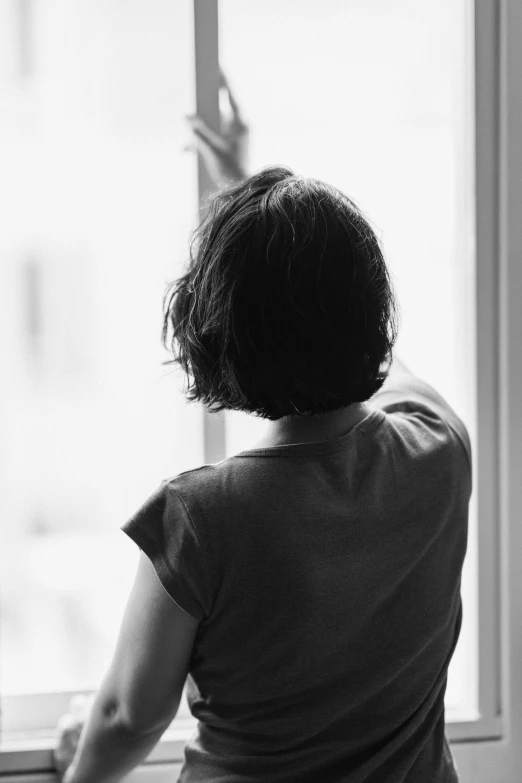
484, 749
494, 755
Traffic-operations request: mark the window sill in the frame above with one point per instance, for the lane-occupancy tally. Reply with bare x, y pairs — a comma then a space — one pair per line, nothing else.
32, 752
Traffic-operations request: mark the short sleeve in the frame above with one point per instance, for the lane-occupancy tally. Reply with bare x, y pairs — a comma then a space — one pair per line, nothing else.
163, 529
405, 392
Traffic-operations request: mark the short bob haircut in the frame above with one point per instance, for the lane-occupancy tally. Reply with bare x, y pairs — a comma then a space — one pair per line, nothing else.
287, 306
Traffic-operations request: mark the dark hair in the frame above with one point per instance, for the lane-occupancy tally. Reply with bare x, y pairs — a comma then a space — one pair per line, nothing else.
287, 306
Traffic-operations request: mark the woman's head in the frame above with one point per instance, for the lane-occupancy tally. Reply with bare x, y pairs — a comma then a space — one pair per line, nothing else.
287, 306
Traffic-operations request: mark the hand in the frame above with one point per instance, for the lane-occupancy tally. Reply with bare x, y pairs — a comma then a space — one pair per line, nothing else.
70, 728
225, 154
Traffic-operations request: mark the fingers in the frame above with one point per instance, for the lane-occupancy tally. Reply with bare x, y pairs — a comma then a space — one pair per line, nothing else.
206, 134
223, 82
210, 155
203, 144
198, 143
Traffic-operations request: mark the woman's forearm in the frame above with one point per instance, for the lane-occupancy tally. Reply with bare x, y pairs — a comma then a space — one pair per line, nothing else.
107, 750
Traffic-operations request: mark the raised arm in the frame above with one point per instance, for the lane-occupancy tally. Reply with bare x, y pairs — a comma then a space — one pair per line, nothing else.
402, 390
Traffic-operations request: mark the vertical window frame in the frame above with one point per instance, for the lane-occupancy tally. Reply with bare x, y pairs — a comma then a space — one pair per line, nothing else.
206, 61
485, 24
487, 751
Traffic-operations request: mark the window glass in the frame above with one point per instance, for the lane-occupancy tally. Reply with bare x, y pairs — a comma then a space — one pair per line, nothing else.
98, 200
374, 96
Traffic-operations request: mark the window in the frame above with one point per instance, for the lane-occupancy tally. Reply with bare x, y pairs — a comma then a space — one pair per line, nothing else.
98, 199
360, 94
411, 109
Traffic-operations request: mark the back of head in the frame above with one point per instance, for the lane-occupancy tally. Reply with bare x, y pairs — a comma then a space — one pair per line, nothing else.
287, 306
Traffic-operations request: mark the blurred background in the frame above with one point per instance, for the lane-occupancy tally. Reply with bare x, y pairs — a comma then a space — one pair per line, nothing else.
98, 200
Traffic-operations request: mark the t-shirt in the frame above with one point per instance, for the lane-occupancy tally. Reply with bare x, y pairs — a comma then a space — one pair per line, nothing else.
326, 577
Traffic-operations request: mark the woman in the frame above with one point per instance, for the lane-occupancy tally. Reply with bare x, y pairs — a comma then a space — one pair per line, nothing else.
306, 589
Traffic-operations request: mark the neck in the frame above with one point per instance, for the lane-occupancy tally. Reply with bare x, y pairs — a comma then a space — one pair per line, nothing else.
310, 429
